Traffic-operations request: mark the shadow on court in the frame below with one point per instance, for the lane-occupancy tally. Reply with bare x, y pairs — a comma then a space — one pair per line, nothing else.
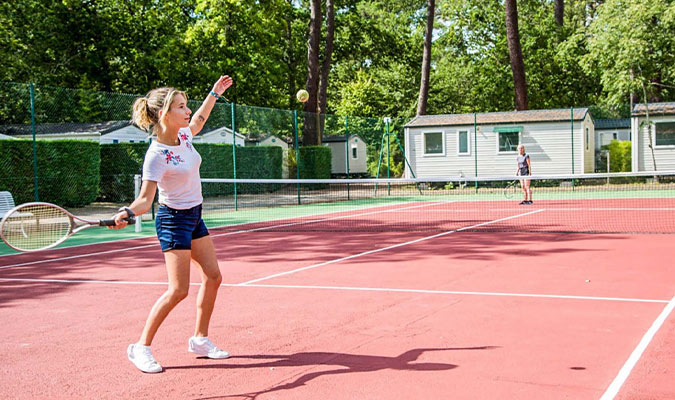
349, 363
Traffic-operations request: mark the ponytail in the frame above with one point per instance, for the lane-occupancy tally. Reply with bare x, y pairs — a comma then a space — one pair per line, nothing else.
146, 110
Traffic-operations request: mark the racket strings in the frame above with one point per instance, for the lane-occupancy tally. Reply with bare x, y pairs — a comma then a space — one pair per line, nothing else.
36, 227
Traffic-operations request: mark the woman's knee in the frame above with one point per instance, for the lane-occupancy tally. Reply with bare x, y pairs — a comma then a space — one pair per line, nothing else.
214, 278
177, 294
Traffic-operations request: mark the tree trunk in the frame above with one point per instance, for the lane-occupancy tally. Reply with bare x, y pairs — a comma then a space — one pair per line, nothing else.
290, 57
325, 67
559, 11
516, 55
310, 134
426, 60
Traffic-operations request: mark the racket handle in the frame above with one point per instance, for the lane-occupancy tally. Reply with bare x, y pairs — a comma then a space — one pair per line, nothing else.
111, 222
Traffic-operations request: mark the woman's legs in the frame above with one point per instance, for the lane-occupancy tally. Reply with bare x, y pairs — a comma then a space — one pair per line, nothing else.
204, 256
528, 191
178, 271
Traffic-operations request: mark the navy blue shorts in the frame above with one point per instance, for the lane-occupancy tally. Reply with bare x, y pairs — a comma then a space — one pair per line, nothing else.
176, 229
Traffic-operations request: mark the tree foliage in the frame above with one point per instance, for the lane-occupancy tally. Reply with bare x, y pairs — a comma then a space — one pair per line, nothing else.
604, 51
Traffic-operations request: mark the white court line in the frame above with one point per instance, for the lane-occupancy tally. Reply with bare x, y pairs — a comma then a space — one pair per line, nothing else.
616, 384
553, 209
216, 235
352, 288
387, 248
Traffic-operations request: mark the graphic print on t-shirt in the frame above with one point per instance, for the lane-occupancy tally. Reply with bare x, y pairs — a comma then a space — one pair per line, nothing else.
170, 157
184, 138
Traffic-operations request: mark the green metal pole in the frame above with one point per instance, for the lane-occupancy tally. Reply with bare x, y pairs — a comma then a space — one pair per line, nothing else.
388, 157
475, 151
234, 156
572, 135
379, 162
347, 153
297, 150
32, 123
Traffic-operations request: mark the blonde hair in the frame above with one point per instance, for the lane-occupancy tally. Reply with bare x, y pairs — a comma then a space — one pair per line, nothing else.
147, 110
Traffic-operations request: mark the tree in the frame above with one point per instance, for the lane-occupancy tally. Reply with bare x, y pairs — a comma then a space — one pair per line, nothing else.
326, 65
426, 60
631, 45
328, 52
310, 134
559, 11
516, 54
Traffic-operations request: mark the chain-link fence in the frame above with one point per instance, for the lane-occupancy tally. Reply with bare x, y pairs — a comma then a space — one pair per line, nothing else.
478, 144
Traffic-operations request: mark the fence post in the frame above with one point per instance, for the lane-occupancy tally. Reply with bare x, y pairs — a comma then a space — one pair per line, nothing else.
386, 121
572, 135
297, 151
475, 150
32, 123
138, 227
234, 156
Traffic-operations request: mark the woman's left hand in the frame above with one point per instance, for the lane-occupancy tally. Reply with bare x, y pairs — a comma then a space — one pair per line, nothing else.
222, 84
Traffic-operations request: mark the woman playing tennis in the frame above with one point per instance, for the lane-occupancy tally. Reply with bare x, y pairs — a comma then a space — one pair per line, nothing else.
524, 169
172, 166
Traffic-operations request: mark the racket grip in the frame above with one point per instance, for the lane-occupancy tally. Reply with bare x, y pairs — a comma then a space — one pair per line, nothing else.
111, 222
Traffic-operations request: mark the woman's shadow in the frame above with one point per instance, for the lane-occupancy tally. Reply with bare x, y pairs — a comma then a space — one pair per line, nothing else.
351, 363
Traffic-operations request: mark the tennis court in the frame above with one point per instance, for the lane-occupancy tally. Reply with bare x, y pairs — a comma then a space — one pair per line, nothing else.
425, 290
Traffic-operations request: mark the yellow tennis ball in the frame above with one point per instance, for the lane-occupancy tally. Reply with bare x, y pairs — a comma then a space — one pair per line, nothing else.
302, 95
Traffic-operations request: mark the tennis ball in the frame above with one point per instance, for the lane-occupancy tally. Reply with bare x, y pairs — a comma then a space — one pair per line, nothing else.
302, 95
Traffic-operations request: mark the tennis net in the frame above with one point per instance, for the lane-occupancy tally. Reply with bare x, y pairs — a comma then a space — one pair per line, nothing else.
594, 203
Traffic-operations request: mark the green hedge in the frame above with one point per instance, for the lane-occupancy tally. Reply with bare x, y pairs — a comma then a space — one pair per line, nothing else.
68, 171
620, 158
315, 162
121, 161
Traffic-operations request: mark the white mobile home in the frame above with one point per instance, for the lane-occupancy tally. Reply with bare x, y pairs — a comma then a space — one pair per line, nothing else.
607, 130
653, 143
347, 156
64, 130
219, 135
267, 140
560, 141
126, 134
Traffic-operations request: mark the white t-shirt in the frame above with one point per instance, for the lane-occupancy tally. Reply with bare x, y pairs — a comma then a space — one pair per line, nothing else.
176, 171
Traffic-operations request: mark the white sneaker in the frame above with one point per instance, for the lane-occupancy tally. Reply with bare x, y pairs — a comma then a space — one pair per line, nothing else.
204, 347
142, 358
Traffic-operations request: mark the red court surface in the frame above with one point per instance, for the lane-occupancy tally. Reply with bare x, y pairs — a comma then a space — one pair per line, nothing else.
353, 315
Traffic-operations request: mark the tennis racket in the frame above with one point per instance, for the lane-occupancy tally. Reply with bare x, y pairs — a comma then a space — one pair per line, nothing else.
40, 226
511, 189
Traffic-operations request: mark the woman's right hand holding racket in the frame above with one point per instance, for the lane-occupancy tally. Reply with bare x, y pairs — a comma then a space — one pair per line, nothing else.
121, 218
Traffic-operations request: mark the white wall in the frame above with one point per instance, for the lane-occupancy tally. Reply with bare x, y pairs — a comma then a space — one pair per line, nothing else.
642, 153
604, 136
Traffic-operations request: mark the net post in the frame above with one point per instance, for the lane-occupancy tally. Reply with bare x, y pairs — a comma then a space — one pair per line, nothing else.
138, 227
32, 123
297, 151
234, 156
